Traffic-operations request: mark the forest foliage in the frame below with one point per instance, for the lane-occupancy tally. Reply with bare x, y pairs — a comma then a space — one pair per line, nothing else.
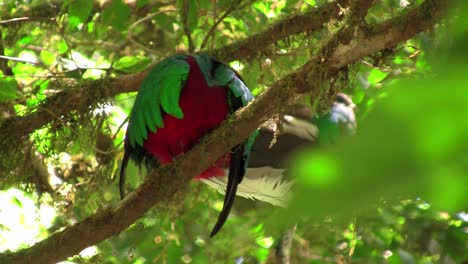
394, 193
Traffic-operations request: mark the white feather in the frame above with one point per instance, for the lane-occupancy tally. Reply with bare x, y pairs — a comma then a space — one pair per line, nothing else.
265, 184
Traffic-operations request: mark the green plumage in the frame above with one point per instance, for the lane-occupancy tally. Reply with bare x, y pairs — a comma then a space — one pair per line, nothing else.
162, 87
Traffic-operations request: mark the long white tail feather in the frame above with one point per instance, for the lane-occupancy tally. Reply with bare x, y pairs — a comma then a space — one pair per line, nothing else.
265, 184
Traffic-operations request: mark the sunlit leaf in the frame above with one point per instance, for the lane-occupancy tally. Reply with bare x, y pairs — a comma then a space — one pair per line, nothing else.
24, 68
47, 57
263, 8
25, 40
91, 27
265, 242
61, 47
261, 254
376, 76
132, 64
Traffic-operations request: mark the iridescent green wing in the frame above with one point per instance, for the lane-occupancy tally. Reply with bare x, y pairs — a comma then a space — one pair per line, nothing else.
218, 74
159, 92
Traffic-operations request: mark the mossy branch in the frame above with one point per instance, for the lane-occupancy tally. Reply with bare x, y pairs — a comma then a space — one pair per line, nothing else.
65, 101
159, 188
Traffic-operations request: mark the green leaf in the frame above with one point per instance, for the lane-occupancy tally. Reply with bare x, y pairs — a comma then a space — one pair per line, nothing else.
291, 3
164, 21
47, 57
116, 15
24, 69
320, 171
25, 40
311, 2
131, 64
174, 252
141, 3
262, 7
16, 201
61, 47
192, 13
261, 254
8, 89
79, 11
192, 16
224, 4
90, 27
204, 4
265, 242
376, 76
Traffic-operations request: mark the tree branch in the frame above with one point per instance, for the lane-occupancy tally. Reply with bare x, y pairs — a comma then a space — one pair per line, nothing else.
160, 188
185, 23
293, 25
283, 249
18, 127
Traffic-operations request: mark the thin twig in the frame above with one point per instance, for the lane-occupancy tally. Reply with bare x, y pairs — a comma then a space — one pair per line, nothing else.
187, 32
23, 19
19, 60
148, 17
214, 26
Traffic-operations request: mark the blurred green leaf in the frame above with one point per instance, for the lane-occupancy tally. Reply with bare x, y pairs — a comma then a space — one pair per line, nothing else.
61, 46
204, 4
401, 149
262, 254
141, 3
262, 7
116, 14
25, 40
174, 252
265, 242
376, 76
47, 57
311, 2
317, 170
291, 3
131, 64
8, 89
79, 11
16, 201
192, 16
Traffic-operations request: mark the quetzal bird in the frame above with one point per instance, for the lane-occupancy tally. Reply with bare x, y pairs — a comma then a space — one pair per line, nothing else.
182, 98
266, 178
